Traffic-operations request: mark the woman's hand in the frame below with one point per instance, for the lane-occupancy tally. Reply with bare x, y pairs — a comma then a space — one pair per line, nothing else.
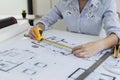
88, 49
31, 33
92, 48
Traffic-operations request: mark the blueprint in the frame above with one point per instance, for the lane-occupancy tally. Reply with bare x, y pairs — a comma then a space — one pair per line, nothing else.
110, 69
27, 59
100, 76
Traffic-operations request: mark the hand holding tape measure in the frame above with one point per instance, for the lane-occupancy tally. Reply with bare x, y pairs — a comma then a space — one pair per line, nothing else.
39, 33
39, 36
36, 32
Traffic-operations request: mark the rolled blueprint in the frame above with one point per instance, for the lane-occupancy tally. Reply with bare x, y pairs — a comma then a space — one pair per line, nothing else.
7, 22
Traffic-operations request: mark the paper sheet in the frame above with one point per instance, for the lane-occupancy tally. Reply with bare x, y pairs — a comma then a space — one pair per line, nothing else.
108, 70
36, 62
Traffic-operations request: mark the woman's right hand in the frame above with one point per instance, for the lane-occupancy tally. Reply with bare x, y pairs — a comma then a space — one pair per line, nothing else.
31, 33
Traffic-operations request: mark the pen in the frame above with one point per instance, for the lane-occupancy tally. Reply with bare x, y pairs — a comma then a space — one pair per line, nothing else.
116, 51
119, 51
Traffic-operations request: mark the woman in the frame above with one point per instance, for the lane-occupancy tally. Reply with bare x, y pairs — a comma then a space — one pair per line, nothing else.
85, 16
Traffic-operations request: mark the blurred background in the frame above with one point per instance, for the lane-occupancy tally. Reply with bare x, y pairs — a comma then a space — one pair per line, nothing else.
37, 8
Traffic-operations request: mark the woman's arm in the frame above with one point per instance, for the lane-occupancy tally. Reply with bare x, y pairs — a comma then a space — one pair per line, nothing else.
31, 32
91, 48
46, 20
112, 28
50, 18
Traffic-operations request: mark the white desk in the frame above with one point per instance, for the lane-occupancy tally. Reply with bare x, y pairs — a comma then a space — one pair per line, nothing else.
52, 65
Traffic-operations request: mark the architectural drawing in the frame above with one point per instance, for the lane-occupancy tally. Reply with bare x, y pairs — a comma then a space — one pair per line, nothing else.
29, 71
61, 40
60, 49
41, 60
100, 76
7, 65
54, 47
112, 65
75, 74
13, 57
40, 65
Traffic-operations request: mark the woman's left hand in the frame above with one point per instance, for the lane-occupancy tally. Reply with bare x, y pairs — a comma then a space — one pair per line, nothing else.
88, 49
92, 48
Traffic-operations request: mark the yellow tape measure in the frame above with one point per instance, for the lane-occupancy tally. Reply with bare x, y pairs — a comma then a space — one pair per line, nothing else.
57, 43
40, 37
38, 32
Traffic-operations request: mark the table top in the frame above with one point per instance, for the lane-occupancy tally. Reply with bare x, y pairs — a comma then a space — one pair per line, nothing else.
19, 17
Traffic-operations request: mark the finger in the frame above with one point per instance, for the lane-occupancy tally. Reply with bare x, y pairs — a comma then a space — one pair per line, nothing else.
77, 47
82, 55
32, 34
86, 56
32, 37
78, 51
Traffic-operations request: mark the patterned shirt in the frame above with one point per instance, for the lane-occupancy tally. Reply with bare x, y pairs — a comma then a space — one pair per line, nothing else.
95, 14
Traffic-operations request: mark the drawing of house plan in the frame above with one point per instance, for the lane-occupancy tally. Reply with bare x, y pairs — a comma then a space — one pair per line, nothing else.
36, 60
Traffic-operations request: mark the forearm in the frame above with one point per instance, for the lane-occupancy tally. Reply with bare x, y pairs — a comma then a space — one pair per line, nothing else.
50, 18
91, 48
109, 41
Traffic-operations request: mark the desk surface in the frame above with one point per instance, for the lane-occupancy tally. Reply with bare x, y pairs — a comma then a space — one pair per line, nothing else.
19, 17
43, 63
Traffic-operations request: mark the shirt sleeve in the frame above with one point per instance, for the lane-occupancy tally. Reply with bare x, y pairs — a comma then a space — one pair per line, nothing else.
50, 18
110, 19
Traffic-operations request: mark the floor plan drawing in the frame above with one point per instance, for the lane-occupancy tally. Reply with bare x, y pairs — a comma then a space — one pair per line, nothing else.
100, 76
76, 73
12, 58
55, 44
42, 60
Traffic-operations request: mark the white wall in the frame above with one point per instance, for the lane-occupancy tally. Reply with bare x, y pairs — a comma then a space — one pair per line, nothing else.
118, 5
11, 7
42, 7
